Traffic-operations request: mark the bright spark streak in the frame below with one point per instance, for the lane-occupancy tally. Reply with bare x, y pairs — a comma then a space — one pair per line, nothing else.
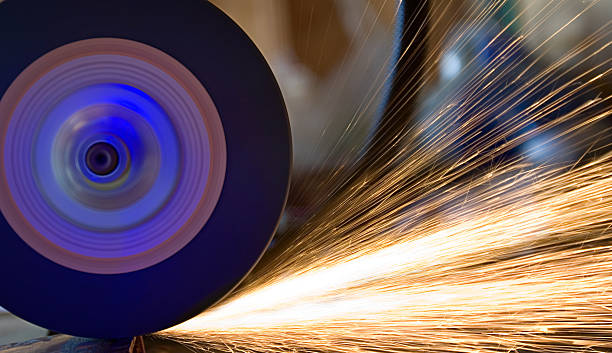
469, 286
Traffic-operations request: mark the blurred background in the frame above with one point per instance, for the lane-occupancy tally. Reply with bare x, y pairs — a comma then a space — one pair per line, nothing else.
359, 74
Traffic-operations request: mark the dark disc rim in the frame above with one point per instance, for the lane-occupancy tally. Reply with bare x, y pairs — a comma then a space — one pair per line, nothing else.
258, 141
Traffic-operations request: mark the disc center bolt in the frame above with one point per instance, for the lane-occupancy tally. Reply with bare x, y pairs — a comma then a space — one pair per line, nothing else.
102, 158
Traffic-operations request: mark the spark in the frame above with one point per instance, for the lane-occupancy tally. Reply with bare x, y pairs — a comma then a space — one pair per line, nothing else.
527, 276
450, 246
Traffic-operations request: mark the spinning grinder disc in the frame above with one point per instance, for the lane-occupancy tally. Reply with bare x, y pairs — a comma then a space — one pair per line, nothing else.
145, 154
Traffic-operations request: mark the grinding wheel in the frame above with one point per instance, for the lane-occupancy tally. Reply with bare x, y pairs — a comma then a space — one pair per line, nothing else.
145, 154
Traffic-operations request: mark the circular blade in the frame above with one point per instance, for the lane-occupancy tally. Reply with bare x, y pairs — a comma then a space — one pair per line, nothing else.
145, 158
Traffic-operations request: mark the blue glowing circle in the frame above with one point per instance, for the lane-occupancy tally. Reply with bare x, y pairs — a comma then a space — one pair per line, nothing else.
132, 122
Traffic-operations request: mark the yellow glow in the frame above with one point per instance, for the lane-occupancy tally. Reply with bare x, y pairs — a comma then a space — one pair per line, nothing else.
426, 254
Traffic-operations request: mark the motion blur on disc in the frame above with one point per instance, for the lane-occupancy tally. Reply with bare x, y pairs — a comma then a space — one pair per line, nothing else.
145, 154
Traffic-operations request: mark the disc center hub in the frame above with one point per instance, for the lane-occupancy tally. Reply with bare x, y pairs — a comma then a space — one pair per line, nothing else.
102, 158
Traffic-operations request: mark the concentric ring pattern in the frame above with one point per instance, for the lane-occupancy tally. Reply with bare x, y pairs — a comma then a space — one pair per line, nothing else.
157, 137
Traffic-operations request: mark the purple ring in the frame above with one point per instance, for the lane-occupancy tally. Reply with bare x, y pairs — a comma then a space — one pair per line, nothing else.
113, 239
